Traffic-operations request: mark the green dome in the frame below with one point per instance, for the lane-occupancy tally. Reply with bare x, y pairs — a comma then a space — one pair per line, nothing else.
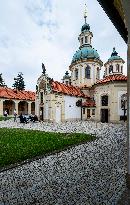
86, 52
85, 27
114, 56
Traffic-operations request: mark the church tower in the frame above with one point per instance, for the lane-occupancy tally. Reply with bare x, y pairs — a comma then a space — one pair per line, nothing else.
86, 64
114, 65
66, 78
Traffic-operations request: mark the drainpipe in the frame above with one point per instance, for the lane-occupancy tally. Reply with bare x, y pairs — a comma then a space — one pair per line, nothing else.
81, 110
128, 117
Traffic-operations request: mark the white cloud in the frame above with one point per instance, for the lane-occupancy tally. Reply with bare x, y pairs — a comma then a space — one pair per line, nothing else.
33, 32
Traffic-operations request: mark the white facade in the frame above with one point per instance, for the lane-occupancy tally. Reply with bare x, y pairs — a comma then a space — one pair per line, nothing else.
72, 112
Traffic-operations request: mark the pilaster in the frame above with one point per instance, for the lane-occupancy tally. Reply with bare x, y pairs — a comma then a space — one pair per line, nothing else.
16, 105
29, 107
1, 107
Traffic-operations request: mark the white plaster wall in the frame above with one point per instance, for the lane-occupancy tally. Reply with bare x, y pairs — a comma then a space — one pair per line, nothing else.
58, 113
46, 110
71, 110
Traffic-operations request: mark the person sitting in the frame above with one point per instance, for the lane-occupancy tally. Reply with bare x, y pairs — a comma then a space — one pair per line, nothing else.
35, 118
22, 118
31, 118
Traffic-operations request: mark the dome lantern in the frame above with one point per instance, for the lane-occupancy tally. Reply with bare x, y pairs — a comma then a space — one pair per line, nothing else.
86, 35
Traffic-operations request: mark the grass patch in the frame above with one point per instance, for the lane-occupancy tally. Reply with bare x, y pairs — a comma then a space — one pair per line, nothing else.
17, 145
2, 118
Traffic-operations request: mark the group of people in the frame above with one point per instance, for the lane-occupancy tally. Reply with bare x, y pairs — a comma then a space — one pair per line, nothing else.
23, 118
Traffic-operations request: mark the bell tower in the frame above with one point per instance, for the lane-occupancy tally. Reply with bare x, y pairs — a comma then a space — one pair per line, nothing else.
114, 65
86, 64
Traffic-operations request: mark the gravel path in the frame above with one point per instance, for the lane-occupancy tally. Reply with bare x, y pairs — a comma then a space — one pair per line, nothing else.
78, 126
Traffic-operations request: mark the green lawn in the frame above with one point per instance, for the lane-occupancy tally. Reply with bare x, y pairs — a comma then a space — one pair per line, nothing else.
17, 145
2, 117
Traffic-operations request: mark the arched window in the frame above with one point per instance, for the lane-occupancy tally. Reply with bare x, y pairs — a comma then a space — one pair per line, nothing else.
87, 72
117, 67
90, 40
104, 100
76, 73
82, 40
110, 69
98, 73
41, 97
86, 39
106, 71
121, 69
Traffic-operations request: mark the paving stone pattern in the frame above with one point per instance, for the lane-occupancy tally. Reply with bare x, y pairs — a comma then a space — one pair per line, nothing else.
88, 174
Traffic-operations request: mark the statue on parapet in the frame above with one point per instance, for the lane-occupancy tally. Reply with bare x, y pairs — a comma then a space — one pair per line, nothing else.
43, 69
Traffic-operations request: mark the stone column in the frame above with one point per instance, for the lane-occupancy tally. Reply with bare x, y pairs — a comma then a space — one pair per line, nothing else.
29, 107
126, 7
1, 107
16, 106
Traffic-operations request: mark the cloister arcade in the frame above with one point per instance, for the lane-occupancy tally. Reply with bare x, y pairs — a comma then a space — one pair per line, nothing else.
21, 106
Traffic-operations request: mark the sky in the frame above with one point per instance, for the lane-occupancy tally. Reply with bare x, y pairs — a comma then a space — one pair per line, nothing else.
46, 31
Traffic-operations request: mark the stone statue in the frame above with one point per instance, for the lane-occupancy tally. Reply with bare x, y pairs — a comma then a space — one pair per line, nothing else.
43, 68
36, 88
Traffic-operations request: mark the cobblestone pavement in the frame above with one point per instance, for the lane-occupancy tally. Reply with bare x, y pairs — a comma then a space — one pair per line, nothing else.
88, 174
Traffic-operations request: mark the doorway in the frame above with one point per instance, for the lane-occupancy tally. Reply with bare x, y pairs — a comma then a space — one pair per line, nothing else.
58, 114
104, 115
41, 113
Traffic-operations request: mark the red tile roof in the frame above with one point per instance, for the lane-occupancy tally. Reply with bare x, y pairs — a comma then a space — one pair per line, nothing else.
13, 94
89, 103
67, 89
112, 78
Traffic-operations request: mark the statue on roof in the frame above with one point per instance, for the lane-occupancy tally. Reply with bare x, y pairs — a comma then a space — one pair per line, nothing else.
114, 53
43, 69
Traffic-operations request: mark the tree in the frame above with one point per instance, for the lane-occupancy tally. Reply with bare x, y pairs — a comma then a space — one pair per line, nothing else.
2, 83
19, 82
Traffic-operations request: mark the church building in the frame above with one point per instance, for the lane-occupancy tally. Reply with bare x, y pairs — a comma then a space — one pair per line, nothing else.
83, 95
